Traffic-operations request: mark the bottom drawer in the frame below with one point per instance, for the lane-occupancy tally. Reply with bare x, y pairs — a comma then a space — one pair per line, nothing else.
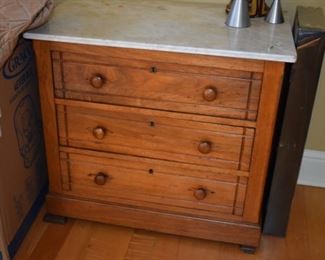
151, 183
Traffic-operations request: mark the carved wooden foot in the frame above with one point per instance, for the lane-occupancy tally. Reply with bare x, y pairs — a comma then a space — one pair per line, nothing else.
248, 249
55, 219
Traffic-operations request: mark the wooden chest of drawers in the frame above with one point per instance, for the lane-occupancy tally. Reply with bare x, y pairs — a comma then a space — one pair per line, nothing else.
177, 143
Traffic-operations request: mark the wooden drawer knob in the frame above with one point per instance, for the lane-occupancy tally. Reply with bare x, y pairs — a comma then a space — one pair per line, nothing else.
210, 94
200, 193
205, 147
99, 132
97, 81
100, 178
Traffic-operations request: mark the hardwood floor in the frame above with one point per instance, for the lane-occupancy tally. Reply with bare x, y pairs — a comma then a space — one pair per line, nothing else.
84, 240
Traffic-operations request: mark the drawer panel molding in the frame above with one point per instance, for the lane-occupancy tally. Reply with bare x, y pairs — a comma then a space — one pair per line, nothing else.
157, 87
119, 130
163, 186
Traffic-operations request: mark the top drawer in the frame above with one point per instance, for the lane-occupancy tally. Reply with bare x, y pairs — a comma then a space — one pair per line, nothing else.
157, 85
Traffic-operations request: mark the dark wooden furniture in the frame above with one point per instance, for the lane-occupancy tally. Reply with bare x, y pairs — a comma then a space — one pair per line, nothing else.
176, 143
295, 112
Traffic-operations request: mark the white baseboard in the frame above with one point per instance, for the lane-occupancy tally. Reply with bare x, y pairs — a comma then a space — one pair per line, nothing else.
312, 170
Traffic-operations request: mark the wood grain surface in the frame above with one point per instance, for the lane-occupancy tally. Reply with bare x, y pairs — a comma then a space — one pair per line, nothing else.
83, 240
162, 86
154, 134
187, 112
150, 183
45, 80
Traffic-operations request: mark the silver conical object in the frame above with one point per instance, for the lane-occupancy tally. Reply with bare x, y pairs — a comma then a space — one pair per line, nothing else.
275, 14
239, 15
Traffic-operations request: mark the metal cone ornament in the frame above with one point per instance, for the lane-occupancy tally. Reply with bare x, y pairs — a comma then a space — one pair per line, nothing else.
275, 14
239, 15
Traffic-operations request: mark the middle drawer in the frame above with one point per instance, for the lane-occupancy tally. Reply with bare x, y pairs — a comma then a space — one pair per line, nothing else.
154, 134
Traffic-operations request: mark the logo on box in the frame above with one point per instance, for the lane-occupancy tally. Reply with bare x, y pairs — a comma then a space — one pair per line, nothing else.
18, 61
28, 130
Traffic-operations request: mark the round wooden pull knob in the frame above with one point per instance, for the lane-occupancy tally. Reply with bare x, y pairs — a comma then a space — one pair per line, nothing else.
97, 81
99, 132
100, 178
205, 147
210, 94
200, 193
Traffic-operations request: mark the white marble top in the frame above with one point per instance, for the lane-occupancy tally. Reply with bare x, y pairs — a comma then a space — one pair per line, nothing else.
165, 26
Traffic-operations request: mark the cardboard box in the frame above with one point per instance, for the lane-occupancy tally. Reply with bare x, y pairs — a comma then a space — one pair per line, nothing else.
23, 175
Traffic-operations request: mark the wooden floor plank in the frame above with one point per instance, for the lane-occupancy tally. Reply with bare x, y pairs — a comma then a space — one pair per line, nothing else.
84, 240
33, 237
296, 244
315, 218
191, 249
76, 241
108, 242
271, 248
153, 246
51, 241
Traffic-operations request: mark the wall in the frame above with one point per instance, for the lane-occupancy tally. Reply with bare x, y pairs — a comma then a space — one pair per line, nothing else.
316, 138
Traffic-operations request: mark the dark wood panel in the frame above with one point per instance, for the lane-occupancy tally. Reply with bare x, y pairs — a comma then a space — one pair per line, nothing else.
294, 118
